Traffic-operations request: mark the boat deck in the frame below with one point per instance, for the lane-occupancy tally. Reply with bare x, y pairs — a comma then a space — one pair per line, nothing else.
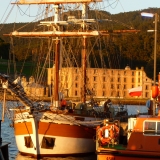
111, 148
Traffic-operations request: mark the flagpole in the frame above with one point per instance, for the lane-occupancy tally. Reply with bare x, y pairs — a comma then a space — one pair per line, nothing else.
155, 53
155, 15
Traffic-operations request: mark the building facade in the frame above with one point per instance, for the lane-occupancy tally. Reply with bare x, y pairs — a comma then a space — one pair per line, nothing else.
101, 83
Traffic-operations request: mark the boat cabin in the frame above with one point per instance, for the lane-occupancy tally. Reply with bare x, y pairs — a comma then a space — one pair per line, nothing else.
145, 134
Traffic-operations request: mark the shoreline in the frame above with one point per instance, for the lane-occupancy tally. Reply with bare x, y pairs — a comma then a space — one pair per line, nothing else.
123, 101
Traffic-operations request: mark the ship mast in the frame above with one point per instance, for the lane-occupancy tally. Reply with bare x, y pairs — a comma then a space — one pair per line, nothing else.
57, 58
84, 50
56, 33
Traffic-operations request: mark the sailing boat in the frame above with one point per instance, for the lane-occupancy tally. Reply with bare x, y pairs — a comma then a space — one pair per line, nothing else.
42, 130
45, 130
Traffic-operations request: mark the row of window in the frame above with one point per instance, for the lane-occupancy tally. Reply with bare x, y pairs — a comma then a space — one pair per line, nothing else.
95, 71
104, 79
113, 86
47, 142
112, 93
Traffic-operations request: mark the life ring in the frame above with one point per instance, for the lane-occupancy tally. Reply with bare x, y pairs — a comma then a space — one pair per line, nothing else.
113, 134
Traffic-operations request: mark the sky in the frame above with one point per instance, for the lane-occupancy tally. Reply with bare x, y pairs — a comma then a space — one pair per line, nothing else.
112, 6
133, 5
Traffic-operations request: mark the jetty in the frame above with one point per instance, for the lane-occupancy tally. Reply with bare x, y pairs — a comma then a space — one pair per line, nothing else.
124, 101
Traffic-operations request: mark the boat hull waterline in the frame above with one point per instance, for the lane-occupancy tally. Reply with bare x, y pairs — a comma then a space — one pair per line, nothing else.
121, 156
49, 134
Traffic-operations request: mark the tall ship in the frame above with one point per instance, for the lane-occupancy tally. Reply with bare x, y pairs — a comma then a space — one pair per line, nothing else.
47, 129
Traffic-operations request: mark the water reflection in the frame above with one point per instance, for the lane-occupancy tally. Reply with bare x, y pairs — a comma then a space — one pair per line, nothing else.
89, 157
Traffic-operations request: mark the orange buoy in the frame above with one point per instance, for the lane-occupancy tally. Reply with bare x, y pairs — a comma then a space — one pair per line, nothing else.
113, 134
159, 82
155, 91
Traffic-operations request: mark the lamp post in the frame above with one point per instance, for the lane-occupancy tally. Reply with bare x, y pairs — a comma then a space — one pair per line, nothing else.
155, 15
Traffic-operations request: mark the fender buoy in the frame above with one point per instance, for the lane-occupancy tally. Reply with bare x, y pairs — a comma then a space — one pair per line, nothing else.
113, 133
155, 91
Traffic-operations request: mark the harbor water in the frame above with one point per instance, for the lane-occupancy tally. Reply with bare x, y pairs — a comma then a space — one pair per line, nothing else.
7, 134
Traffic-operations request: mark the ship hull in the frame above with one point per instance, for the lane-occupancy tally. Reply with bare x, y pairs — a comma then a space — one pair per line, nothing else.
123, 156
50, 134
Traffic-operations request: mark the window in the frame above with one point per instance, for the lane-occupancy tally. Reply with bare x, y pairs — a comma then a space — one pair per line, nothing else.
118, 79
124, 79
132, 73
87, 79
132, 80
94, 78
76, 78
76, 93
28, 142
147, 87
76, 70
158, 127
147, 95
95, 71
104, 79
48, 142
139, 73
76, 85
94, 85
112, 86
151, 127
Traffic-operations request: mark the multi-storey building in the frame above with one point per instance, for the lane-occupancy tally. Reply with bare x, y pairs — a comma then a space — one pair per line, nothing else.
102, 83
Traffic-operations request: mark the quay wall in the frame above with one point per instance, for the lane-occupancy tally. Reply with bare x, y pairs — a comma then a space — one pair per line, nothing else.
125, 101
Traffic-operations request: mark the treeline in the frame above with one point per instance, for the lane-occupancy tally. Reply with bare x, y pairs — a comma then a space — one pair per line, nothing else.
117, 50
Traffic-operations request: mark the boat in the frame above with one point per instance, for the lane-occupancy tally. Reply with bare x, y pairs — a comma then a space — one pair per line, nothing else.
136, 139
141, 141
45, 130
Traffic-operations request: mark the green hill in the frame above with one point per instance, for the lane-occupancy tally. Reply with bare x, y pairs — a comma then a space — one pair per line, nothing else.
118, 50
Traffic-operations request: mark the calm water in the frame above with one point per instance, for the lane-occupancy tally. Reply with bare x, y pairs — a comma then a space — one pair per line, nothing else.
8, 136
